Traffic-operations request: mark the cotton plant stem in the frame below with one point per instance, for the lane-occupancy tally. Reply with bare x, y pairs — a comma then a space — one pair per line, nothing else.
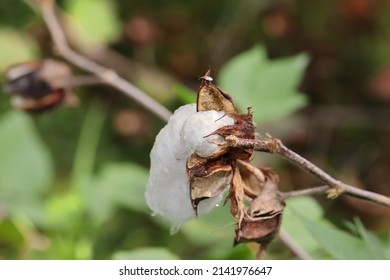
293, 246
89, 80
108, 76
304, 192
333, 187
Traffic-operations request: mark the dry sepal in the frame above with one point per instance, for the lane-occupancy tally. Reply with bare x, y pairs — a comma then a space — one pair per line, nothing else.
40, 85
262, 216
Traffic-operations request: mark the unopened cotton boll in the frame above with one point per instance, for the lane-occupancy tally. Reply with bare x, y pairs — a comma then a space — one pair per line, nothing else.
168, 190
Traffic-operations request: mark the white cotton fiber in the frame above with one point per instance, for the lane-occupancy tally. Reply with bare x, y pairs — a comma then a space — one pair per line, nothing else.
168, 191
199, 125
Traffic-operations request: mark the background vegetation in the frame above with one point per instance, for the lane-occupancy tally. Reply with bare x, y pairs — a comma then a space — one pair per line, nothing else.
315, 72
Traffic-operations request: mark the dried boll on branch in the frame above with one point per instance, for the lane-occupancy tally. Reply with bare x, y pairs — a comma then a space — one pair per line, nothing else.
192, 166
263, 215
40, 85
213, 171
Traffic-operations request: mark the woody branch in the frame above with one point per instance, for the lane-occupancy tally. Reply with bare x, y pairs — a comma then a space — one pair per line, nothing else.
333, 186
106, 75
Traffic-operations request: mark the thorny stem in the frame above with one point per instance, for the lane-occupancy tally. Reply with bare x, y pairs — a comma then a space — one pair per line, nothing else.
334, 187
108, 76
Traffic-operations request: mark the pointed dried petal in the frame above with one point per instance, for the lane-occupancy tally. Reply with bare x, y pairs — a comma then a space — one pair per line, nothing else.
210, 97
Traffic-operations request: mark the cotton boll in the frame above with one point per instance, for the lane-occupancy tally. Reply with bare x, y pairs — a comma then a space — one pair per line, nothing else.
201, 124
168, 190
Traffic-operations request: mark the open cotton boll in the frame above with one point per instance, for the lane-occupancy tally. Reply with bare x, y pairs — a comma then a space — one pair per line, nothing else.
201, 124
168, 190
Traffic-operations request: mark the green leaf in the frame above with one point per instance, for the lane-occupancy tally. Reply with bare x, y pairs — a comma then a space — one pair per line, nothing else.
214, 231
304, 222
294, 227
64, 210
15, 48
145, 253
373, 243
124, 185
268, 86
338, 243
94, 21
87, 146
25, 164
9, 233
185, 94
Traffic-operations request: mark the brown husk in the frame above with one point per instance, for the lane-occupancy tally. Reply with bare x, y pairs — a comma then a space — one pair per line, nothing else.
259, 217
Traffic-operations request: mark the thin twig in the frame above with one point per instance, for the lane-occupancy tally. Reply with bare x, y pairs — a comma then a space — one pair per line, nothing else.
305, 192
106, 75
293, 246
334, 187
78, 81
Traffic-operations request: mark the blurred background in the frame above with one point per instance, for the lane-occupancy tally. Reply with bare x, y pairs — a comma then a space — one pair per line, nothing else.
316, 73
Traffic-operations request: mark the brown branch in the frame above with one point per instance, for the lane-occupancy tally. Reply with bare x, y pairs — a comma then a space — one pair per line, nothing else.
305, 192
108, 76
334, 187
77, 81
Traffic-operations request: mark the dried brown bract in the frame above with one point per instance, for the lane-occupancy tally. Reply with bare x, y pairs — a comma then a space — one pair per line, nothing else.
263, 214
211, 97
261, 231
40, 85
236, 196
208, 177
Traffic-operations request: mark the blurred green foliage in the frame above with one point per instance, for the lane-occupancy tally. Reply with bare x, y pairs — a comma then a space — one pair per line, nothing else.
72, 181
90, 30
269, 87
304, 221
16, 47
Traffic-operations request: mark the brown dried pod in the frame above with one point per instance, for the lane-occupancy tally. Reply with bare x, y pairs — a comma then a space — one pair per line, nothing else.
40, 85
267, 204
263, 216
260, 220
259, 231
211, 97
